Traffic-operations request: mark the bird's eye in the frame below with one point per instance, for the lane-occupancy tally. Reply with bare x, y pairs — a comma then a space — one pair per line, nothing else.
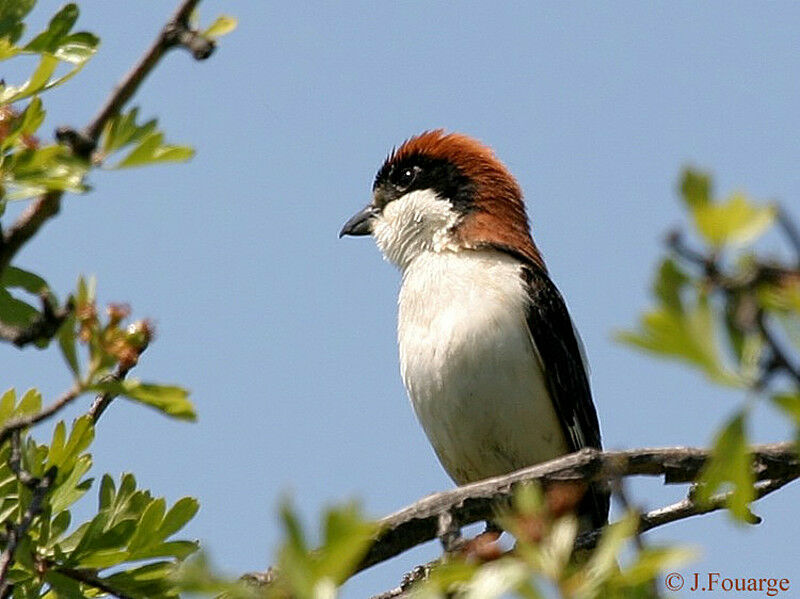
406, 177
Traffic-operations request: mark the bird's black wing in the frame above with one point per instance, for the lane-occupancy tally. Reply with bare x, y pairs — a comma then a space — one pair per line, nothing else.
561, 358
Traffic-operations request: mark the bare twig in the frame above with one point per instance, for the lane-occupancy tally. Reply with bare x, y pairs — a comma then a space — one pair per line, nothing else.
16, 424
174, 34
43, 327
102, 401
686, 508
779, 357
26, 226
39, 488
477, 502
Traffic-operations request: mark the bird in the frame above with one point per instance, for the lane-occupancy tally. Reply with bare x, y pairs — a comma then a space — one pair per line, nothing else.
490, 358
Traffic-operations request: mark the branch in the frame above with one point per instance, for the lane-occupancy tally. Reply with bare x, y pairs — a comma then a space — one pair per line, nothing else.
774, 465
17, 424
174, 34
102, 401
418, 523
45, 326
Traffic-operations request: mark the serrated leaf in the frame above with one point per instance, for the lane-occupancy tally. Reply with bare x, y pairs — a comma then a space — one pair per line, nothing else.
37, 81
730, 464
152, 150
178, 516
688, 336
72, 488
59, 26
60, 524
223, 25
30, 403
7, 403
146, 531
171, 400
107, 492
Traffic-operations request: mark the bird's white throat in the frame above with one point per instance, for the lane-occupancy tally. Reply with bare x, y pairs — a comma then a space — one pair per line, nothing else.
418, 222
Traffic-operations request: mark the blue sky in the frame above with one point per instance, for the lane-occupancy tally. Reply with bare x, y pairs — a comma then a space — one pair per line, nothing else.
286, 335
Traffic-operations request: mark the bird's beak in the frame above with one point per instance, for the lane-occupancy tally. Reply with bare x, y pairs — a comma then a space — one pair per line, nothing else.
360, 223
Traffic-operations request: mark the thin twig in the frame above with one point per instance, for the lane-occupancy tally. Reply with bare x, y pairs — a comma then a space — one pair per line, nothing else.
45, 326
171, 36
16, 424
780, 359
102, 401
477, 502
648, 521
175, 33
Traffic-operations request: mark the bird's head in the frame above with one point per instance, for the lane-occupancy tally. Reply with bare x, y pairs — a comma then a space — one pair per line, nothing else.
444, 192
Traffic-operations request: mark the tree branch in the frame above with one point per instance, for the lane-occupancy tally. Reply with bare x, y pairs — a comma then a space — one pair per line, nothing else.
21, 422
102, 401
45, 326
774, 465
174, 34
418, 523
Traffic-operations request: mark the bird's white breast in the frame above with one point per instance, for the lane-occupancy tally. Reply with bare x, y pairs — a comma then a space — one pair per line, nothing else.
469, 364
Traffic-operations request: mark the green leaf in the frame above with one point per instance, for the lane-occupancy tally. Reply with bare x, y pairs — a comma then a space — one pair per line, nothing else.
695, 188
59, 27
730, 464
151, 150
37, 82
107, 492
149, 523
650, 562
14, 311
30, 403
78, 47
72, 488
66, 341
7, 403
690, 336
26, 123
603, 562
789, 404
223, 25
178, 516
30, 282
669, 283
171, 400
12, 12
737, 221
